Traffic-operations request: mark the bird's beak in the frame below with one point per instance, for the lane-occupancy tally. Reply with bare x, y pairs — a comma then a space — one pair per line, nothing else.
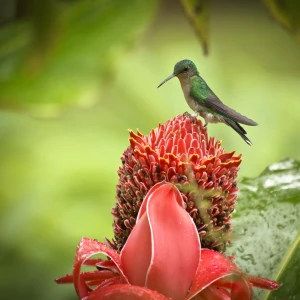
170, 77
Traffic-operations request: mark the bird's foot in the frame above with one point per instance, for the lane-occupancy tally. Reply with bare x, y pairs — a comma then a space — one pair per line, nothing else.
186, 114
192, 117
195, 114
205, 125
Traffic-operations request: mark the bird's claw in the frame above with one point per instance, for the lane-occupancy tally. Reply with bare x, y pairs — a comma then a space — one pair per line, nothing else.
192, 117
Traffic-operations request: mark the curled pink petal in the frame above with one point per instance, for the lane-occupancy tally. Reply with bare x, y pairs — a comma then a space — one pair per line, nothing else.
125, 292
85, 249
175, 243
212, 267
139, 242
136, 254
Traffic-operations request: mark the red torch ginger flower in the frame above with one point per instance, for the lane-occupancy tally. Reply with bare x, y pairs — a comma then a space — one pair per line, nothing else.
162, 259
179, 152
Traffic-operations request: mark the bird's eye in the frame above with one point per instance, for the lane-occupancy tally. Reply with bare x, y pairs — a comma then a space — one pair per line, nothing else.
186, 69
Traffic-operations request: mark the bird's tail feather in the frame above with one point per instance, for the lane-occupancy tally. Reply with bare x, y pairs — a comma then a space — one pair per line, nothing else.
239, 129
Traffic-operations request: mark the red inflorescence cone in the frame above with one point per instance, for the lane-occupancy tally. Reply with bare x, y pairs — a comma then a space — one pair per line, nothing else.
179, 152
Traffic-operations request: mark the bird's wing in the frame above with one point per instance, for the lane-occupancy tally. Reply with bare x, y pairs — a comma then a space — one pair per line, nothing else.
211, 101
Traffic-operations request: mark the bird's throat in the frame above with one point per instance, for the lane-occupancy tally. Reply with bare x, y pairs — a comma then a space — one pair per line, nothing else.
186, 85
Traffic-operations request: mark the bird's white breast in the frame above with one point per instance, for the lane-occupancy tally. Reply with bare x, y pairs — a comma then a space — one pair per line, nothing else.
186, 85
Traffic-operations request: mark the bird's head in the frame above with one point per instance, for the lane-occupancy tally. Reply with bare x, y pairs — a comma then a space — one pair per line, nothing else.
183, 69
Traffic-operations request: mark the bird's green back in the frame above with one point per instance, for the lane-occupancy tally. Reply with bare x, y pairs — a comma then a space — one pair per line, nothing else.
199, 91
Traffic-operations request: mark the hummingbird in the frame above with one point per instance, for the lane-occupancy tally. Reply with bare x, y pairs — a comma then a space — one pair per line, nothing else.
203, 101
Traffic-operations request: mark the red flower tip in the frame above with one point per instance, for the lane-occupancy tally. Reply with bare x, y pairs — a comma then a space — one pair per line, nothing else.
179, 152
263, 283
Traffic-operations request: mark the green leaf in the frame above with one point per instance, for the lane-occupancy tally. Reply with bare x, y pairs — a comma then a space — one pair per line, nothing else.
286, 13
74, 64
267, 225
197, 12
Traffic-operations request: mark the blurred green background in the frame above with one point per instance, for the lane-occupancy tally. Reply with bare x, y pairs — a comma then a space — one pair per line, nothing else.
75, 75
